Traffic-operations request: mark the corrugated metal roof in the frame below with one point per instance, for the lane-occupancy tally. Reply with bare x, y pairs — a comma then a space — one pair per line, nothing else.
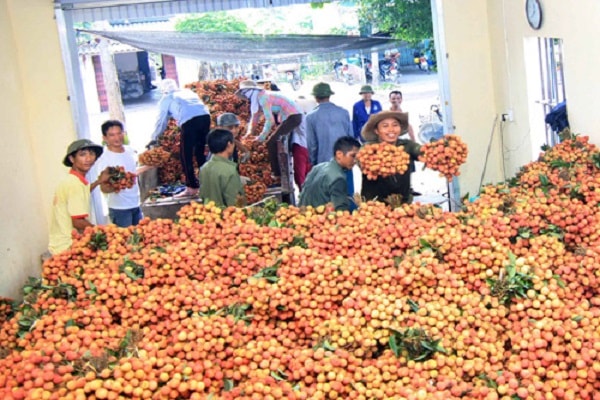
98, 10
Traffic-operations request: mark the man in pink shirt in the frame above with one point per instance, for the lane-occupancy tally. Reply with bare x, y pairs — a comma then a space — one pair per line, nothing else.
291, 119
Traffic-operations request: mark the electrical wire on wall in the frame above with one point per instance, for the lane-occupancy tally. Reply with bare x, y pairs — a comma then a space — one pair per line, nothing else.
487, 154
502, 147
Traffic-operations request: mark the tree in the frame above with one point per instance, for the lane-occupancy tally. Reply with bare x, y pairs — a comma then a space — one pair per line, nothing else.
408, 20
211, 22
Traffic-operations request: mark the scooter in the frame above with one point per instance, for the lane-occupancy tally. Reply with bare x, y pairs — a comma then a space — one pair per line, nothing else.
342, 73
432, 127
292, 74
388, 69
294, 79
389, 72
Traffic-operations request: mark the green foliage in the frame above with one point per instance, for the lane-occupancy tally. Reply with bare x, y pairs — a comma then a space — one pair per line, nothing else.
415, 344
82, 37
325, 344
408, 20
128, 345
131, 269
315, 6
511, 283
269, 273
98, 241
489, 382
212, 22
265, 215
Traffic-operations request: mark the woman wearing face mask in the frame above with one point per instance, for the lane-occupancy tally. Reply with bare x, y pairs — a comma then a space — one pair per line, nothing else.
387, 126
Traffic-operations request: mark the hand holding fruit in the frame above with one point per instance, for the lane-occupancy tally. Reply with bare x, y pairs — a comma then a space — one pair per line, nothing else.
382, 160
104, 176
120, 179
155, 157
445, 155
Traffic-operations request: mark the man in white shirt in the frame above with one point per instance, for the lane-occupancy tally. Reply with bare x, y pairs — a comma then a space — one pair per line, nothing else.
123, 205
396, 105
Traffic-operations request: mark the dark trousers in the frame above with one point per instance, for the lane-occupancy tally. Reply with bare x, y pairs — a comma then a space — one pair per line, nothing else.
125, 218
286, 127
193, 142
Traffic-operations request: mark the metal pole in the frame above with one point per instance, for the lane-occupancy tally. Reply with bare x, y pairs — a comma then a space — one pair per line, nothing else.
64, 22
68, 44
444, 84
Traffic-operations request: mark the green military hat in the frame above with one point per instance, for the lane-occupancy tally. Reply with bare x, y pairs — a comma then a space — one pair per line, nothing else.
322, 89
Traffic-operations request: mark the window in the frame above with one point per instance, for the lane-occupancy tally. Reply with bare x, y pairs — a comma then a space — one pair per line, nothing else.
553, 88
545, 85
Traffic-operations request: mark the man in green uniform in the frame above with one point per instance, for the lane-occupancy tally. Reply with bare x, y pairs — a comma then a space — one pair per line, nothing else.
219, 179
326, 182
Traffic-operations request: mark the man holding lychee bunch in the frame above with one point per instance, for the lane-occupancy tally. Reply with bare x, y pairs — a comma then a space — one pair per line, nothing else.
123, 203
386, 127
71, 202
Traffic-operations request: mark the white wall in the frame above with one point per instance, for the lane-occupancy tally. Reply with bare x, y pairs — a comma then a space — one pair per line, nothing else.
471, 81
488, 76
36, 126
88, 80
187, 70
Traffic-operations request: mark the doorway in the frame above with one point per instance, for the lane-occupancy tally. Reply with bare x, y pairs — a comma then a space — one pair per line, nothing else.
545, 87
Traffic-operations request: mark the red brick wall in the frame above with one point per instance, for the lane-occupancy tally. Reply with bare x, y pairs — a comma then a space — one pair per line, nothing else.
170, 67
102, 98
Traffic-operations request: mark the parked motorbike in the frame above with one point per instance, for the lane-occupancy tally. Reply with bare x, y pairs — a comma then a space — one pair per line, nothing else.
432, 127
343, 73
292, 74
388, 69
294, 79
389, 72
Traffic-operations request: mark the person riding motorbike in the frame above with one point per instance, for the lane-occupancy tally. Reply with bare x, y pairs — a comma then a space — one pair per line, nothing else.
389, 64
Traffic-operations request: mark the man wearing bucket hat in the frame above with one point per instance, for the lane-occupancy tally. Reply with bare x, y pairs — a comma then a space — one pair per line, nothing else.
193, 118
363, 109
291, 118
231, 122
387, 126
325, 124
71, 202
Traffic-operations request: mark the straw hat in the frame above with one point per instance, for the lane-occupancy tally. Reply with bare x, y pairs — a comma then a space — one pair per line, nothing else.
368, 131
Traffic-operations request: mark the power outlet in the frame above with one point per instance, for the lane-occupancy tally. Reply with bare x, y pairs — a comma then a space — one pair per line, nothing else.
508, 116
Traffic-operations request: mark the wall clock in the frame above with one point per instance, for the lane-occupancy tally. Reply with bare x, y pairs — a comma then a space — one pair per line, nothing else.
533, 10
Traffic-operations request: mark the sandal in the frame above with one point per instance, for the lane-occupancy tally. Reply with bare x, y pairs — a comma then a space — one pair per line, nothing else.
188, 192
